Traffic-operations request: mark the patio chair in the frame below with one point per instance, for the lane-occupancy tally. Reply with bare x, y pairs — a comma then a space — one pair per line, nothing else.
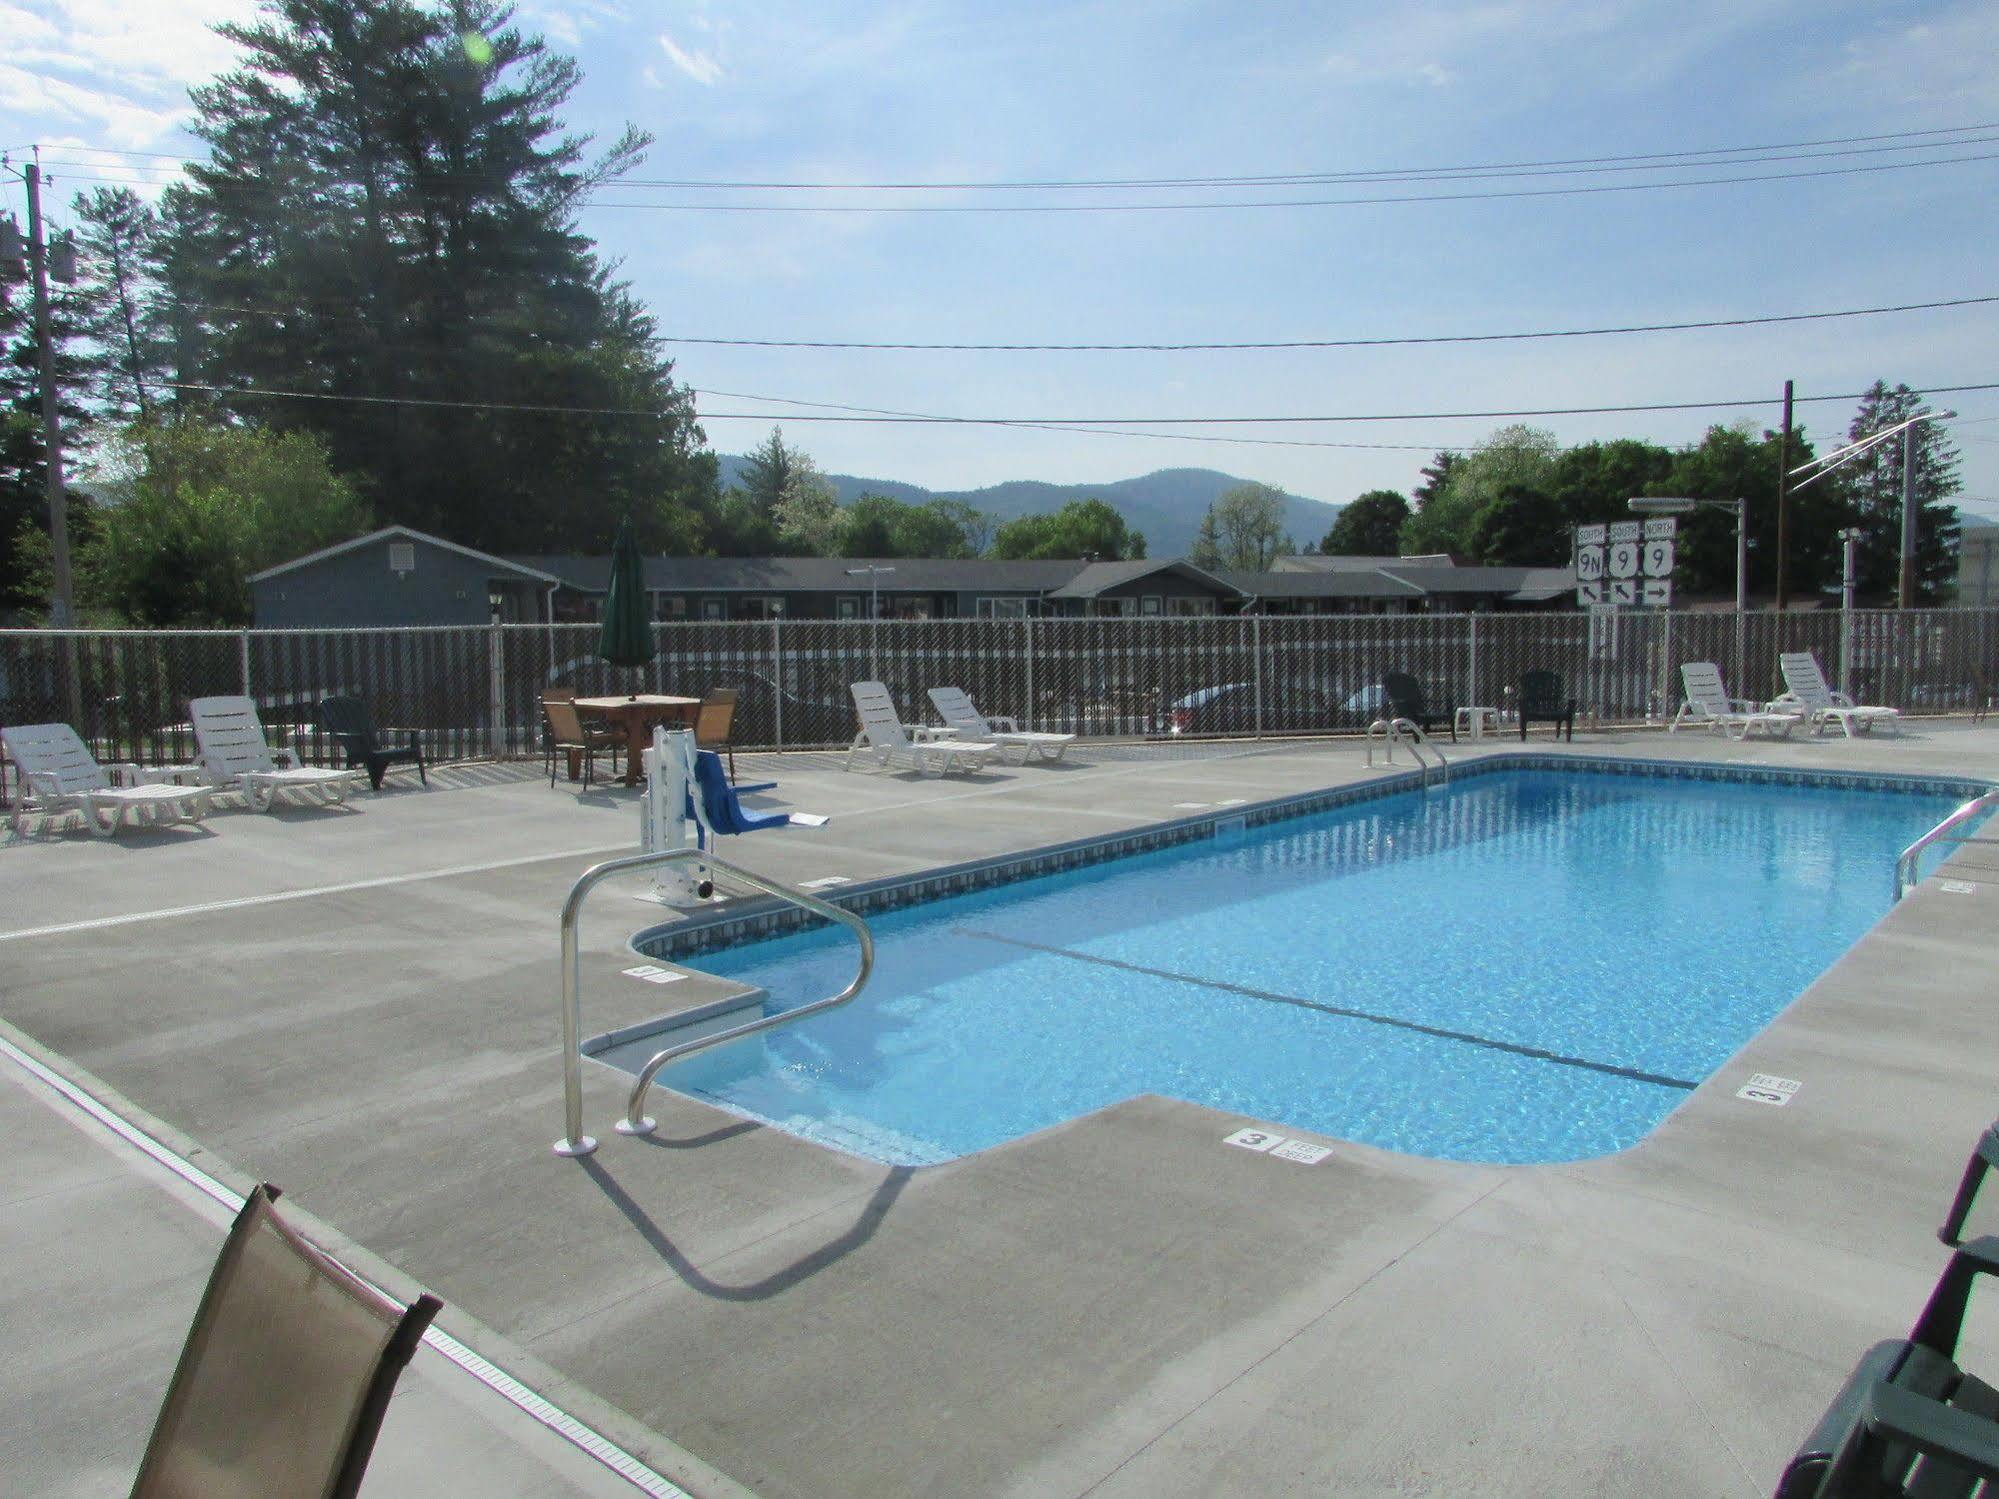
1542, 697
715, 723
234, 756
1708, 705
954, 706
347, 719
565, 732
286, 1373
59, 776
720, 810
883, 739
1983, 1158
1808, 693
1404, 695
1908, 1421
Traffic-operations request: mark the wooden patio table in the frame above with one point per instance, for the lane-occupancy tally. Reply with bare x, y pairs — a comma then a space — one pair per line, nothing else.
638, 715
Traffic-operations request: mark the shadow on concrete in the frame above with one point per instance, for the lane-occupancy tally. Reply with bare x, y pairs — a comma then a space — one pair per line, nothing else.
779, 1281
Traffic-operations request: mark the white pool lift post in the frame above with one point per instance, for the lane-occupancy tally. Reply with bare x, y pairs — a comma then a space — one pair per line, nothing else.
671, 791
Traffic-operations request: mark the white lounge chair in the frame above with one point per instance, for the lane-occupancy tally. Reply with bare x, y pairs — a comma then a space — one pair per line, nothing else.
1708, 705
954, 706
59, 776
1810, 695
884, 740
235, 757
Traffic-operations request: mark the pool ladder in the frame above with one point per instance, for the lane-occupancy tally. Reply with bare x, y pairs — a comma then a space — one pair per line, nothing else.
1393, 731
1905, 867
574, 1142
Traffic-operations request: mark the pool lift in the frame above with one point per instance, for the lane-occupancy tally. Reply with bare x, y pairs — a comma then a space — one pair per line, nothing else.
683, 789
1389, 732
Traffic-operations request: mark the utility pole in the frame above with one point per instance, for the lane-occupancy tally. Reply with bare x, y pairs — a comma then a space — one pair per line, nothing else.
60, 612
1784, 508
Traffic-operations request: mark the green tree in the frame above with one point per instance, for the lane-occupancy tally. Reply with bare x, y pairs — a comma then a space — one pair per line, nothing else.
1738, 461
1435, 474
807, 515
767, 469
1523, 526
1596, 481
118, 240
1370, 526
1444, 522
385, 221
25, 590
1081, 528
205, 505
1872, 489
878, 526
975, 526
1243, 530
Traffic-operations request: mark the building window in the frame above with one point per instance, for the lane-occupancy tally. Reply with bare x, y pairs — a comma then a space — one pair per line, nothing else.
1149, 606
989, 608
1193, 606
714, 609
671, 606
760, 606
846, 607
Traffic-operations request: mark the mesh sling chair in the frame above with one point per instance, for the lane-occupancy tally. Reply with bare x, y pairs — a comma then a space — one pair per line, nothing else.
347, 719
286, 1373
565, 732
1404, 697
715, 723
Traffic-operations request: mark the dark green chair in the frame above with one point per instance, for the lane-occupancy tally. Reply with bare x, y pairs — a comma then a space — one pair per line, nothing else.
1983, 1159
1543, 700
1908, 1421
347, 719
1406, 700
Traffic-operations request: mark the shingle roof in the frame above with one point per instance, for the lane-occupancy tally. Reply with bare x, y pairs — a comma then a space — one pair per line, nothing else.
1096, 577
1325, 562
817, 574
1340, 584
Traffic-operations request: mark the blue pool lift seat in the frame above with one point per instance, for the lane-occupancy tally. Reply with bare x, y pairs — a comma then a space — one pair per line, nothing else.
720, 807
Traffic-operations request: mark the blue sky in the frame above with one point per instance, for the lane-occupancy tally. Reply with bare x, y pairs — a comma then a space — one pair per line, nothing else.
946, 93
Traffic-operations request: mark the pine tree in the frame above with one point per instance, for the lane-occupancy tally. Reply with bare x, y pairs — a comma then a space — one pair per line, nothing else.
118, 240
386, 221
1872, 488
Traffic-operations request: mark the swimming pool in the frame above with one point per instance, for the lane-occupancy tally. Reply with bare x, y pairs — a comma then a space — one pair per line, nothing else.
1538, 965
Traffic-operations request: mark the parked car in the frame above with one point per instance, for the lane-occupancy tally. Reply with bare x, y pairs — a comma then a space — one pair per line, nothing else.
1230, 708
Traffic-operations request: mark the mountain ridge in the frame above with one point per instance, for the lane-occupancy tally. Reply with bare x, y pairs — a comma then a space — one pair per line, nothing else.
1166, 504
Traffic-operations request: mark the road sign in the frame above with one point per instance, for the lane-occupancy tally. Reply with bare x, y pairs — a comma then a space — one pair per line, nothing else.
1623, 592
1655, 593
1589, 592
1624, 559
1625, 530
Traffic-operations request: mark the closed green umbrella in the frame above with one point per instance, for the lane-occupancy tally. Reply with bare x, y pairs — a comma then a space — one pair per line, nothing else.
626, 636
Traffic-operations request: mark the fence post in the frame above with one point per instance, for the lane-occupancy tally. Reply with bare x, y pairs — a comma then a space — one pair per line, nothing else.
777, 675
243, 656
1256, 648
1027, 626
1471, 668
496, 690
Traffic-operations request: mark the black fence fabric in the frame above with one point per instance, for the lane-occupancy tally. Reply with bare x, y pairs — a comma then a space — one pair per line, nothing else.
475, 691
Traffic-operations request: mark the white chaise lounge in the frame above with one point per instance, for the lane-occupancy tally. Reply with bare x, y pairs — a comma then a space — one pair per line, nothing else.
1708, 705
1809, 694
60, 776
970, 726
883, 739
235, 757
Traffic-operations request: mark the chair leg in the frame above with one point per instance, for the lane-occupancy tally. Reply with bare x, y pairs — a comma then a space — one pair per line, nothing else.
1982, 1160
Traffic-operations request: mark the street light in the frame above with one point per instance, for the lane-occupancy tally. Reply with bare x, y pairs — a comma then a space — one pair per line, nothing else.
874, 572
1662, 505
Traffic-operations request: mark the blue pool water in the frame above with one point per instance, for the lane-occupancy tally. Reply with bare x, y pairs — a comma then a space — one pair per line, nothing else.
1536, 966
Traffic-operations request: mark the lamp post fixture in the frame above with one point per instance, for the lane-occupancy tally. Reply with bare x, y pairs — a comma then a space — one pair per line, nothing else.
1681, 506
874, 572
1905, 589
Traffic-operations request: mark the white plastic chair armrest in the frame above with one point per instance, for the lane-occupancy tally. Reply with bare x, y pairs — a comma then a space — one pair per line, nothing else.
42, 782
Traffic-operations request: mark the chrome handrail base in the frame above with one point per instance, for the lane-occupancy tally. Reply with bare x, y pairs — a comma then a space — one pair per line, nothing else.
644, 1126
574, 1148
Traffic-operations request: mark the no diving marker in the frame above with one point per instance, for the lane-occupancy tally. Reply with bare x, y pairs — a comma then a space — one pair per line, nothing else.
1265, 1143
652, 973
1763, 1088
1958, 887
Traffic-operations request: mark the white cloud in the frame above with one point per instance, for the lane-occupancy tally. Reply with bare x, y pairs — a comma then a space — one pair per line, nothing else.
703, 67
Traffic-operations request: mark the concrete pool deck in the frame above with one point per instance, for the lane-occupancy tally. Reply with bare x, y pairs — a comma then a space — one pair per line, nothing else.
362, 1006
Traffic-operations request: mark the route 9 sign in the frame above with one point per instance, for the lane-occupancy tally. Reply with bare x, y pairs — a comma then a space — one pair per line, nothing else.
1625, 563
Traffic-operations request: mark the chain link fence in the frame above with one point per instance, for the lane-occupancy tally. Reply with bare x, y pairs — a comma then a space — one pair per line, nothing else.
474, 691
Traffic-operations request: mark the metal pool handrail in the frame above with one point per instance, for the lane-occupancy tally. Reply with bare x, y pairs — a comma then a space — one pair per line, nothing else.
1394, 731
574, 1142
1905, 867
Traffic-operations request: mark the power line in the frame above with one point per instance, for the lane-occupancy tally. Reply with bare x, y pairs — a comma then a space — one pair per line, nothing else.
1020, 421
1406, 340
1915, 139
581, 200
1336, 343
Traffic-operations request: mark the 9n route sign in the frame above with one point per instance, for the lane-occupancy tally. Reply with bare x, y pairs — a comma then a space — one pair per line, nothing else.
1626, 563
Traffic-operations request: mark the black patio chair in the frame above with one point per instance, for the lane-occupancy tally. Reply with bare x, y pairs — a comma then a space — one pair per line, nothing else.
286, 1373
1405, 700
1543, 698
347, 719
1983, 1158
1908, 1421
